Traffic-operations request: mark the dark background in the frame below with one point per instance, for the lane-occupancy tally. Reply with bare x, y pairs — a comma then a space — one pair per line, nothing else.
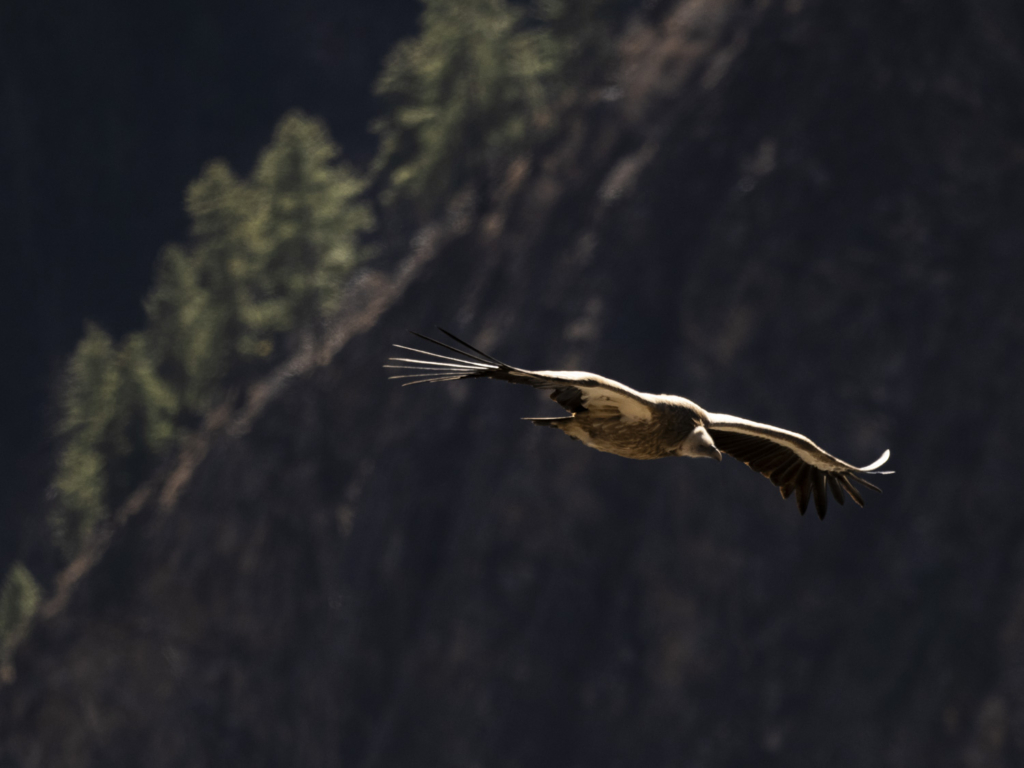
804, 213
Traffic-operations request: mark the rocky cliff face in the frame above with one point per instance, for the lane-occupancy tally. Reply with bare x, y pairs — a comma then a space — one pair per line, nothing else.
802, 213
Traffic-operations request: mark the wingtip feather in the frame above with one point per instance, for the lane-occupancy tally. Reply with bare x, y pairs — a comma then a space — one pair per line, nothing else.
803, 488
818, 487
865, 483
848, 487
837, 491
469, 346
877, 463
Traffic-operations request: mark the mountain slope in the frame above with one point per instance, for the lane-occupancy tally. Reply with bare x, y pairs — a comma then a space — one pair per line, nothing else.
802, 215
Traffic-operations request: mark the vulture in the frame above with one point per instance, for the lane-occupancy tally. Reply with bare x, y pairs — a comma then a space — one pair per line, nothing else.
611, 417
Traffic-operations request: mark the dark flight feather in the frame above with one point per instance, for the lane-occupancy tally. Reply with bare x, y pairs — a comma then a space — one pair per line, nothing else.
833, 486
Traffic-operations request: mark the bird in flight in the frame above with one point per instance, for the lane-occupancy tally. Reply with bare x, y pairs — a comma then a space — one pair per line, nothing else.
611, 417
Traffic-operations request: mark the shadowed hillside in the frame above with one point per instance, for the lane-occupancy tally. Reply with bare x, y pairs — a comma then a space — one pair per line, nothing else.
800, 214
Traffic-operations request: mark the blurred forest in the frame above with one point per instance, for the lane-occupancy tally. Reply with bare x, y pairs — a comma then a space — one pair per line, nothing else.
109, 112
227, 540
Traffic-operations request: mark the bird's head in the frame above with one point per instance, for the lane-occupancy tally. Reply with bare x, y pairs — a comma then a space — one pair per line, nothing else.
699, 445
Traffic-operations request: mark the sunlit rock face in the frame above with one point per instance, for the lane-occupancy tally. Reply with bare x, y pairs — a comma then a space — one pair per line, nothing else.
797, 213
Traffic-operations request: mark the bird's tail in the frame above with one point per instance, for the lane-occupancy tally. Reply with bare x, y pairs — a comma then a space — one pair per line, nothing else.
434, 367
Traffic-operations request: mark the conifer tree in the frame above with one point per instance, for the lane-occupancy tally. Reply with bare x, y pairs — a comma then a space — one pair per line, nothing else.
143, 427
471, 89
182, 334
312, 221
205, 313
117, 419
88, 408
19, 598
226, 215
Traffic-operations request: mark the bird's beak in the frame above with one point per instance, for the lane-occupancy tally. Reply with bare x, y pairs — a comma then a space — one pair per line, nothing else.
710, 452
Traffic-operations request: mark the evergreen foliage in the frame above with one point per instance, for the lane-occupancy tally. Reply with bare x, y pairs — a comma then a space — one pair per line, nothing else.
87, 413
473, 88
204, 312
311, 221
144, 420
265, 255
19, 598
181, 332
117, 418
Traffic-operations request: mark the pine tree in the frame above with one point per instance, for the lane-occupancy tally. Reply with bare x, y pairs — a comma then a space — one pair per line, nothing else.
312, 221
143, 427
225, 245
206, 313
117, 420
182, 333
473, 88
19, 598
88, 408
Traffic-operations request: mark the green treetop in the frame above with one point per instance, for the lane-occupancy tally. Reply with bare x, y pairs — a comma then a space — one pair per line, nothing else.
474, 87
117, 418
87, 412
19, 598
311, 221
265, 255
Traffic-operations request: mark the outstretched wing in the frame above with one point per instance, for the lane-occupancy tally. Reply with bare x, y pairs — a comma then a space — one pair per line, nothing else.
574, 390
791, 461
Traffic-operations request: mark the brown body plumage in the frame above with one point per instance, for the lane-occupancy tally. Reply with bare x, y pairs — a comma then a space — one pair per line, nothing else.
611, 417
